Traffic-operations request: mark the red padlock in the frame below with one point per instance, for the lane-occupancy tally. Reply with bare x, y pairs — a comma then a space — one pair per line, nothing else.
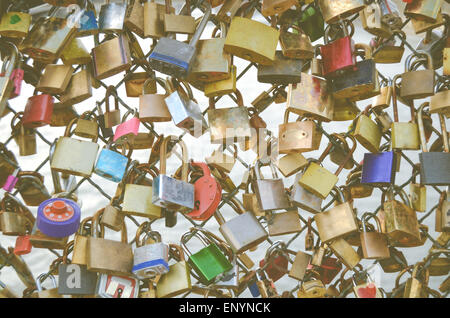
23, 245
277, 265
207, 194
38, 111
338, 55
328, 270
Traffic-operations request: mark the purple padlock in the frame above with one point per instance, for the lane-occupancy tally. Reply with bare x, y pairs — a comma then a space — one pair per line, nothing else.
11, 181
378, 169
58, 217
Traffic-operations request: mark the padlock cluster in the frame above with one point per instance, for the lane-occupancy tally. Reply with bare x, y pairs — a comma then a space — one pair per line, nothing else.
42, 43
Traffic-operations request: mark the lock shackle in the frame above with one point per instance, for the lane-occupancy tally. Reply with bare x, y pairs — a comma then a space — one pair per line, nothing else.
237, 93
10, 60
277, 247
205, 169
173, 84
83, 225
153, 171
257, 170
67, 250
410, 103
346, 269
223, 30
443, 125
235, 204
132, 111
199, 233
400, 274
145, 228
421, 55
98, 234
42, 277
179, 250
147, 82
124, 146
69, 127
198, 32
343, 24
184, 153
368, 215
391, 196
347, 157
367, 50
339, 195
18, 115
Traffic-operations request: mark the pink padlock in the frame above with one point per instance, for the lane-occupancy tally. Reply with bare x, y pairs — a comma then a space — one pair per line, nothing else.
11, 181
128, 129
17, 78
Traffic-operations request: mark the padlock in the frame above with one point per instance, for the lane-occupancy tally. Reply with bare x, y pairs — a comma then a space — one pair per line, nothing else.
152, 106
395, 262
175, 58
79, 254
178, 280
367, 132
169, 192
367, 289
46, 293
127, 130
282, 71
312, 288
222, 87
150, 259
107, 256
404, 136
207, 194
211, 63
433, 44
270, 193
87, 126
414, 286
378, 169
345, 252
291, 163
390, 14
383, 100
75, 279
343, 47
282, 223
401, 222
15, 22
434, 166
438, 266
154, 19
257, 45
421, 26
417, 84
111, 57
17, 77
55, 79
339, 153
345, 109
341, 214
311, 97
137, 198
302, 198
273, 7
134, 18
79, 89
250, 200
49, 36
355, 187
295, 45
242, 232
134, 83
372, 22
386, 52
23, 245
40, 240
440, 101
319, 180
374, 244
6, 83
209, 262
275, 262
423, 9
417, 193
312, 23
229, 125
38, 111
13, 222
112, 16
299, 266
58, 217
361, 83
182, 22
228, 10
74, 156
11, 181
32, 188
333, 10
88, 21
24, 137
112, 165
75, 53
442, 220
264, 100
185, 112
112, 286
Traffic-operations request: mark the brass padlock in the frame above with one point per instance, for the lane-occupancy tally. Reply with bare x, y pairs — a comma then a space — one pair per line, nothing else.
32, 188
134, 83
367, 132
417, 84
372, 22
291, 163
423, 9
79, 88
111, 57
334, 10
24, 137
296, 46
152, 106
87, 125
282, 223
345, 252
75, 53
179, 23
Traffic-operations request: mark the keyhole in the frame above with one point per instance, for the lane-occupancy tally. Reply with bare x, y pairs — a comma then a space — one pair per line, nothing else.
197, 204
119, 292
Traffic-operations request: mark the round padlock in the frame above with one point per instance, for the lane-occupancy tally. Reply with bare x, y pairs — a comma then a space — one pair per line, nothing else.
58, 217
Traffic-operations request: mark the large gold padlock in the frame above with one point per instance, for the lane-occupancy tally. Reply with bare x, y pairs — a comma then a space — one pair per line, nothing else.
367, 132
257, 44
79, 89
417, 84
291, 163
332, 10
296, 46
15, 24
179, 23
111, 57
75, 53
55, 79
222, 87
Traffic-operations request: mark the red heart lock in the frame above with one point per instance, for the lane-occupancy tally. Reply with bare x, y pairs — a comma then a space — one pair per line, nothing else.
370, 291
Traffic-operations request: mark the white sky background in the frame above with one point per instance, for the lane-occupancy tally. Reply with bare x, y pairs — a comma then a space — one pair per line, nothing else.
40, 259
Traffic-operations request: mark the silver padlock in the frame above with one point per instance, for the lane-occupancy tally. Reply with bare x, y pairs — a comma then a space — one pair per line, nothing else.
112, 17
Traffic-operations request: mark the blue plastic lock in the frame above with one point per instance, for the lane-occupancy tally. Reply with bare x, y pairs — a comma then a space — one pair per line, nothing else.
111, 165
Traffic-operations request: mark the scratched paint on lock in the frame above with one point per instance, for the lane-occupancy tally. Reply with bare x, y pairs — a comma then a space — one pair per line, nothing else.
111, 165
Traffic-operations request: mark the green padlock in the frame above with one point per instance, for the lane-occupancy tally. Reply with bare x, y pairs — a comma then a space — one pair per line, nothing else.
209, 262
311, 22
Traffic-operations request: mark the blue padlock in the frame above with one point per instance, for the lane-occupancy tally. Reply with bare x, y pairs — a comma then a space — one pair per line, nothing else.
379, 168
111, 164
88, 24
